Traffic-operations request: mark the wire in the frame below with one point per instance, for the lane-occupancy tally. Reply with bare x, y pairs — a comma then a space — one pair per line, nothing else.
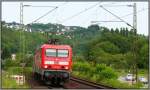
136, 12
43, 6
43, 15
60, 5
47, 12
63, 4
109, 3
105, 21
79, 13
117, 16
130, 14
118, 5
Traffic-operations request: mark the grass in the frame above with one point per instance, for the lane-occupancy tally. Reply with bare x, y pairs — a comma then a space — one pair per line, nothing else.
108, 82
143, 72
8, 82
88, 72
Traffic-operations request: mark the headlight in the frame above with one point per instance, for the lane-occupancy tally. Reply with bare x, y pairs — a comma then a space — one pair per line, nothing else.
45, 66
66, 67
49, 62
63, 63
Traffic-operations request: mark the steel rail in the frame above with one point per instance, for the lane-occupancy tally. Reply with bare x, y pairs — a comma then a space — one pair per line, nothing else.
89, 83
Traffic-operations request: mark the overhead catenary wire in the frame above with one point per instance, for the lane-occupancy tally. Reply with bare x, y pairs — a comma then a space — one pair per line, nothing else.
55, 7
105, 21
117, 5
60, 6
43, 15
66, 2
38, 6
136, 12
127, 14
117, 17
80, 12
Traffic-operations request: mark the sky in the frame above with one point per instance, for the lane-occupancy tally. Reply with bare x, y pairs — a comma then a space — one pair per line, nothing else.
67, 13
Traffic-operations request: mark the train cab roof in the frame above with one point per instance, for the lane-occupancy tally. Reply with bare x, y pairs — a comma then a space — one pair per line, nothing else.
56, 46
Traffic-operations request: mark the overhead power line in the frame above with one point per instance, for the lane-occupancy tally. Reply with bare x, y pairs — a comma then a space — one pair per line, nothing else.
60, 5
117, 17
136, 12
128, 14
55, 7
43, 15
38, 6
118, 5
104, 21
63, 4
80, 12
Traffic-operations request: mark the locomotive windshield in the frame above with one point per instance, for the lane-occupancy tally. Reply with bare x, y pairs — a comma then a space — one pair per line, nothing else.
62, 53
51, 52
56, 53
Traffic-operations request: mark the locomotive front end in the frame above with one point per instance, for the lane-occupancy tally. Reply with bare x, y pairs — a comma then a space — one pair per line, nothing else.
56, 63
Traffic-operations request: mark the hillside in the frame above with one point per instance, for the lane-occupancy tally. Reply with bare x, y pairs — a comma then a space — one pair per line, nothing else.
96, 44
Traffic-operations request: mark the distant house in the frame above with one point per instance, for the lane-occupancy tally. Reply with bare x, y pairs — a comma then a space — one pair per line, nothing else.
13, 25
63, 30
67, 28
13, 56
69, 37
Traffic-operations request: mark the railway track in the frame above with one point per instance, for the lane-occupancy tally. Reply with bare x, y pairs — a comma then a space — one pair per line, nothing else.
74, 83
84, 84
38, 84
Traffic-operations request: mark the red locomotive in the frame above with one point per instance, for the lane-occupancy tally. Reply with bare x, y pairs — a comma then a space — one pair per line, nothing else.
53, 63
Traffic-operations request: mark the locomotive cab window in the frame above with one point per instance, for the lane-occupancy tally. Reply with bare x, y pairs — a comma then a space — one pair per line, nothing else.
51, 52
62, 53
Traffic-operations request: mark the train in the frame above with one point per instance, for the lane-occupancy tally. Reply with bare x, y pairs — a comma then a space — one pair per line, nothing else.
53, 63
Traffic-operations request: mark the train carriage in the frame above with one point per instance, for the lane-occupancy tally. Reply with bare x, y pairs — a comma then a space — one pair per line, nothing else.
53, 63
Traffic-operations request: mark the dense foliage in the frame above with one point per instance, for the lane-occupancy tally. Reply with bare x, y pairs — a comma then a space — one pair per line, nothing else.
96, 44
100, 73
99, 50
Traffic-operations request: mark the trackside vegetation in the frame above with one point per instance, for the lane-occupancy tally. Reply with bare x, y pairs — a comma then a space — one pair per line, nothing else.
9, 82
100, 54
100, 73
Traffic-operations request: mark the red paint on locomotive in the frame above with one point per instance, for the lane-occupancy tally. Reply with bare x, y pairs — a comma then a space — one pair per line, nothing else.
52, 58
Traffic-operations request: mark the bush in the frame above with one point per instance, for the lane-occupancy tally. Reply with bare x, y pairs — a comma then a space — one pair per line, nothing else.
100, 70
96, 78
15, 70
9, 63
109, 73
100, 73
100, 67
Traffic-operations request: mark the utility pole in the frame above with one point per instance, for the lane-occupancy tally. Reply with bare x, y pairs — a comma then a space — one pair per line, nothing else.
134, 47
135, 40
22, 39
21, 28
21, 15
134, 18
22, 36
